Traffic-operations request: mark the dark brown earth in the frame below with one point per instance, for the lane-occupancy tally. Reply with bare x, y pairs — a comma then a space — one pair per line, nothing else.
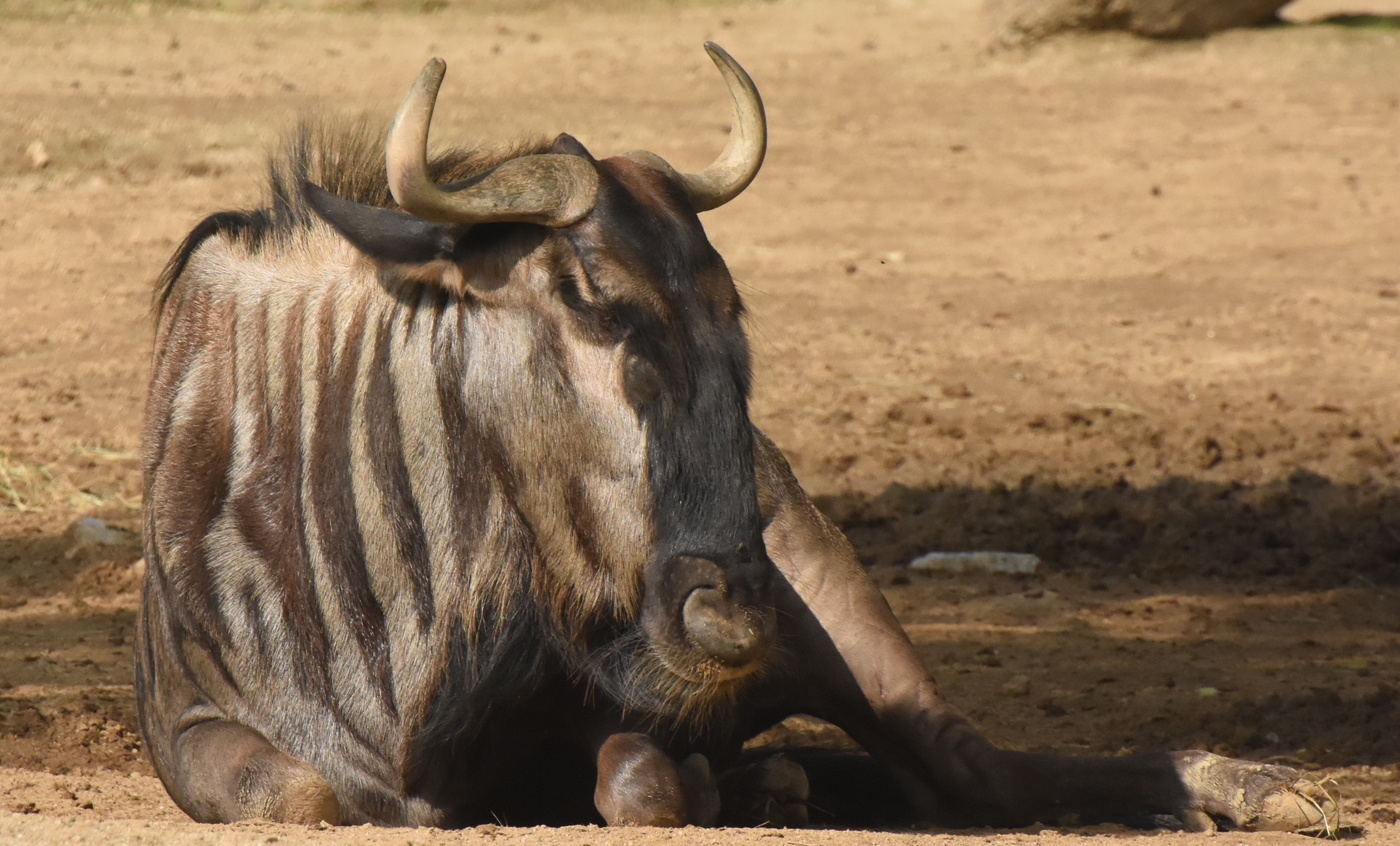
1129, 306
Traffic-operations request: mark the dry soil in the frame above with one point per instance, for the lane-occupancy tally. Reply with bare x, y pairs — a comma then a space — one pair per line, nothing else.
1132, 307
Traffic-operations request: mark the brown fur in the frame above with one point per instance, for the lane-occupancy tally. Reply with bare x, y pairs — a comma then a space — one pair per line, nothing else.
346, 157
363, 483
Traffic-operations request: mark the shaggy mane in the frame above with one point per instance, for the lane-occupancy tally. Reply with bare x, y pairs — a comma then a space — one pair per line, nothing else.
346, 157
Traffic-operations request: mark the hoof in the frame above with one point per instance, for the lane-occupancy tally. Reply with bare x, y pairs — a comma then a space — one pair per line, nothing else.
638, 784
1299, 806
1253, 797
701, 791
298, 796
307, 801
771, 792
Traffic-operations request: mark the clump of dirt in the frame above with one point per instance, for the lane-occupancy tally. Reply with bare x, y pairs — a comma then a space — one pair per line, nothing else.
62, 731
107, 578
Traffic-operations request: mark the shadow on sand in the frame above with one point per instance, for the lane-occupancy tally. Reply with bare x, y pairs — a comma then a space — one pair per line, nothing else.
1304, 531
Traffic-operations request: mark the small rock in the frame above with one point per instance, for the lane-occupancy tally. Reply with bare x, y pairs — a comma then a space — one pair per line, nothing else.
1208, 453
1017, 686
38, 154
487, 829
986, 562
1384, 815
89, 532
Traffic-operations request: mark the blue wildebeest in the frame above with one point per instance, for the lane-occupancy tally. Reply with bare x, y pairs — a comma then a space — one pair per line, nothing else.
453, 509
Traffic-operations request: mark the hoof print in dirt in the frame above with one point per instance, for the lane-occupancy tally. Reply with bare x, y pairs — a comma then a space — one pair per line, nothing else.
1250, 796
771, 792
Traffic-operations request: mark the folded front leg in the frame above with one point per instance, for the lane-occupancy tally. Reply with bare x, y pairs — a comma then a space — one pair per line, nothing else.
639, 784
853, 665
226, 772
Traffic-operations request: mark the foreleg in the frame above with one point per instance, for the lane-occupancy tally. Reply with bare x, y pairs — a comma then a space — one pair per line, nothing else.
227, 772
215, 769
856, 667
639, 784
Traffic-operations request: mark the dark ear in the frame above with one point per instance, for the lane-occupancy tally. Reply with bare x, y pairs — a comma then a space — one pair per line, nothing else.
568, 145
384, 235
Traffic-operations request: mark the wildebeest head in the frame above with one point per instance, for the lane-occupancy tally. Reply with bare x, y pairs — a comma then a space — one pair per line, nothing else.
611, 396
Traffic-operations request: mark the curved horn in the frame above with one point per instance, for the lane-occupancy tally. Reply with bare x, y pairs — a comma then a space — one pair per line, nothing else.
549, 189
742, 156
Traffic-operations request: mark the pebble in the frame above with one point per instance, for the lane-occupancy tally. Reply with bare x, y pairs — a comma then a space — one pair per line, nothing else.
38, 154
986, 562
88, 532
1017, 686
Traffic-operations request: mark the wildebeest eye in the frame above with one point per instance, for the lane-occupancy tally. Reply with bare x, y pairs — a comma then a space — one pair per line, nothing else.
598, 319
570, 294
641, 380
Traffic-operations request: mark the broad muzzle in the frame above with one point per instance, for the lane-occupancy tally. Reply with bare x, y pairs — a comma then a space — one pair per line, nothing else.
731, 633
711, 621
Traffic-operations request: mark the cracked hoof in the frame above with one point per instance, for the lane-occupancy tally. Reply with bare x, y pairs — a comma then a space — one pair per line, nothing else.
1253, 797
770, 792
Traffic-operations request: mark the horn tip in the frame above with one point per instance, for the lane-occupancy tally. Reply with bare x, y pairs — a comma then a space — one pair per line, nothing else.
726, 63
434, 70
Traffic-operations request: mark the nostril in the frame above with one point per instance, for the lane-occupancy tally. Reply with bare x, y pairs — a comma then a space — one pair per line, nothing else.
729, 632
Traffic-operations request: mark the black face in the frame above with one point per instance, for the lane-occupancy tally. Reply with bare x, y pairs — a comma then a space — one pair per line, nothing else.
657, 287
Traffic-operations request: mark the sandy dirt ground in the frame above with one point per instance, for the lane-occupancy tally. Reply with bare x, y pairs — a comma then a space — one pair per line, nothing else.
1131, 307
